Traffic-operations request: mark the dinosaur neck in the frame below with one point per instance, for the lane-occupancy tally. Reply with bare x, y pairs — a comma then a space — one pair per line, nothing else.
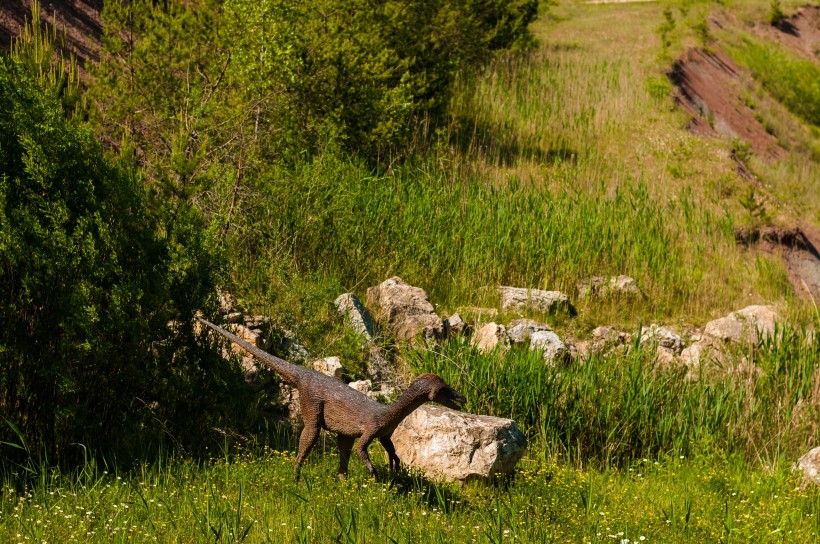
405, 405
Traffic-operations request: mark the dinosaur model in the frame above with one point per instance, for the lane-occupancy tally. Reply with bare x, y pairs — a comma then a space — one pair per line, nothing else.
330, 404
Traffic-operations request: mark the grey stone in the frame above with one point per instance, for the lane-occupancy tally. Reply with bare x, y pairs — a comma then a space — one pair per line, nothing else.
357, 315
553, 347
745, 325
233, 317
662, 337
454, 324
362, 386
444, 444
517, 299
520, 330
809, 465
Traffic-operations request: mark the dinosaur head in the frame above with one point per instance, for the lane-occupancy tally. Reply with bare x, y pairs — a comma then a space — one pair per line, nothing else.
442, 393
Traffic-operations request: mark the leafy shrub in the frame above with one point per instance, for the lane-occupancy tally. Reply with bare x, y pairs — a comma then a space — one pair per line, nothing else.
89, 279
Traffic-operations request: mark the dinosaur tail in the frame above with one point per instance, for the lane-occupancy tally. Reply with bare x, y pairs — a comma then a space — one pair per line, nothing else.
282, 367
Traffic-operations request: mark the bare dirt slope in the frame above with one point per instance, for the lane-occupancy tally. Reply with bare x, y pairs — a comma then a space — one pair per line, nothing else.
710, 89
800, 32
79, 19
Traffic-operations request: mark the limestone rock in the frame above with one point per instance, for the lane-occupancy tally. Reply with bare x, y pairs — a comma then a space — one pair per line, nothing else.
520, 330
693, 354
233, 317
261, 322
252, 336
329, 366
490, 336
357, 315
380, 368
406, 310
448, 445
663, 337
601, 287
743, 325
454, 324
362, 386
809, 464
517, 299
553, 347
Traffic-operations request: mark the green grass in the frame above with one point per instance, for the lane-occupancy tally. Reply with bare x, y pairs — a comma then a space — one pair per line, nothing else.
251, 497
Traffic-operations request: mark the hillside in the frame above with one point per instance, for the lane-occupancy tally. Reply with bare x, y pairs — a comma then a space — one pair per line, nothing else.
606, 213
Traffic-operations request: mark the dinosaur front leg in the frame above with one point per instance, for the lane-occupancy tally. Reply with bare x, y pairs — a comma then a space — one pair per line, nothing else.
345, 446
395, 464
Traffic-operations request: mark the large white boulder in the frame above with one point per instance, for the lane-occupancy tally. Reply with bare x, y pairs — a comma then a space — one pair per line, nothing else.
405, 310
444, 444
518, 299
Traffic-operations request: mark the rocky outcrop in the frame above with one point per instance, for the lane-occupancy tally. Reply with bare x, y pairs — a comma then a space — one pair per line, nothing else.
404, 310
490, 337
602, 287
746, 325
356, 314
520, 331
447, 445
517, 299
809, 464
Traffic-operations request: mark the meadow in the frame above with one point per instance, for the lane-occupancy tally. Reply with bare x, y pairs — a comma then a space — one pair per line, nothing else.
556, 163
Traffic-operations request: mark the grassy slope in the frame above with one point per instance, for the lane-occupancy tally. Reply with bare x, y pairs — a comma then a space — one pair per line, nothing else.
594, 89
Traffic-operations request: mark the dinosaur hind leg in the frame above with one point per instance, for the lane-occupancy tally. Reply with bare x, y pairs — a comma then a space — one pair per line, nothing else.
345, 446
387, 444
306, 441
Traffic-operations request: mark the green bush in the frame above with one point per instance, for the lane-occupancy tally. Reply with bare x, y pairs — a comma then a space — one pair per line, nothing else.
89, 279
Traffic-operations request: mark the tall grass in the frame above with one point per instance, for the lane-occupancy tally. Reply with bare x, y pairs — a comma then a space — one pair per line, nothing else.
454, 237
614, 408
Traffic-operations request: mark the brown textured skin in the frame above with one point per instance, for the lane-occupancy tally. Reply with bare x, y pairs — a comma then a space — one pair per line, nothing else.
329, 404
